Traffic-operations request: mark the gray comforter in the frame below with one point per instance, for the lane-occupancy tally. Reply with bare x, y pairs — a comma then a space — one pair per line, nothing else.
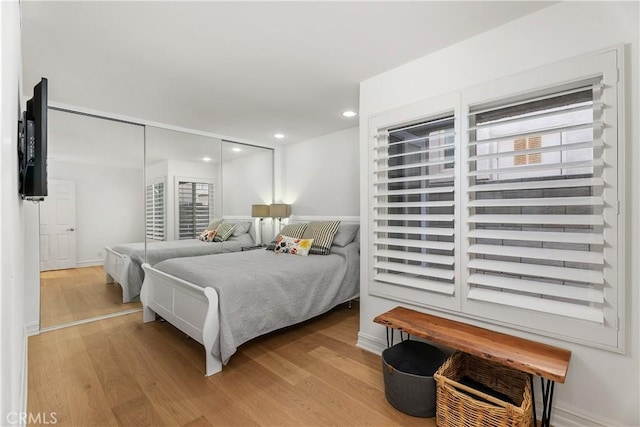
261, 291
160, 251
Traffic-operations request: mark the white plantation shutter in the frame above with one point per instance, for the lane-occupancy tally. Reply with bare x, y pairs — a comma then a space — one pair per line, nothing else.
195, 208
508, 208
540, 202
155, 211
413, 207
520, 252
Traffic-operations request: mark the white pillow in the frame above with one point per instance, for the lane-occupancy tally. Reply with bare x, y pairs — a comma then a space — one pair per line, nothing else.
293, 246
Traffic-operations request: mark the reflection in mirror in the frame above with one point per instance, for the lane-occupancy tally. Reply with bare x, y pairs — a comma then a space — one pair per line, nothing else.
95, 171
247, 177
182, 184
199, 191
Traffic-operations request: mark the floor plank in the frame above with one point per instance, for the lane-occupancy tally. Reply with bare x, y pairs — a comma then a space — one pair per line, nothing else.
121, 371
78, 294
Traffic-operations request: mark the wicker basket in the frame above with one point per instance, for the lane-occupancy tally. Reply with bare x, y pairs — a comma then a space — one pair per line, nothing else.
460, 405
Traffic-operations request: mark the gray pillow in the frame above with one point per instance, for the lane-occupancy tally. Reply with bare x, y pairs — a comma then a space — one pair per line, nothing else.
241, 228
346, 234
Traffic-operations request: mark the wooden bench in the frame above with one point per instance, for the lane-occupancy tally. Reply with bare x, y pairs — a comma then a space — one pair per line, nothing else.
548, 362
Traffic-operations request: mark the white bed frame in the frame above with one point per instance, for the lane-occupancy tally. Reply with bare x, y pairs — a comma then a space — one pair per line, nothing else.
192, 309
116, 267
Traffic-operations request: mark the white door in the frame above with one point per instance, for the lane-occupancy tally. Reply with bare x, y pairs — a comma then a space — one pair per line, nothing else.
57, 226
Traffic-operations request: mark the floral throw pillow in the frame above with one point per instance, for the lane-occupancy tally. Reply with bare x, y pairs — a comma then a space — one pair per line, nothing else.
293, 246
207, 235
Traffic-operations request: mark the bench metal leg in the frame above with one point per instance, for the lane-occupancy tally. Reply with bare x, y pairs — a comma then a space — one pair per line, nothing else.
390, 336
547, 387
547, 401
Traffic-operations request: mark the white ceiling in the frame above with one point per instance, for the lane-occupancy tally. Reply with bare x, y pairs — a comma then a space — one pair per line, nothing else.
91, 141
245, 70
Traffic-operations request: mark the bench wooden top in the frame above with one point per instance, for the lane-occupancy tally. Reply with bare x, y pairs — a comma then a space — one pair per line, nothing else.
524, 355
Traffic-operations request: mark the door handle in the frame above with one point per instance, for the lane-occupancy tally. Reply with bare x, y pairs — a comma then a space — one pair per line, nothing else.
71, 229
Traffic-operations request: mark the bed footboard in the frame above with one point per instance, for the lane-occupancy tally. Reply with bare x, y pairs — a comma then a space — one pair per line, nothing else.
191, 309
116, 267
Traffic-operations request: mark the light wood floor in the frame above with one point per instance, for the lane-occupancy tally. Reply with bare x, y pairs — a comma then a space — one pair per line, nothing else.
121, 371
78, 294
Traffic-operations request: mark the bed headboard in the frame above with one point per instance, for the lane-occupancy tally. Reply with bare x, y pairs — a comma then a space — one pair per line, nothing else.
308, 218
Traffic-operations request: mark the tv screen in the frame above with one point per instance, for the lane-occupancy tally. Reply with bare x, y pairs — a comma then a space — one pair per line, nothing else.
33, 147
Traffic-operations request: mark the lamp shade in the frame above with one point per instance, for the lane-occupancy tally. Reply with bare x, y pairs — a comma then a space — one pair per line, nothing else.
259, 211
280, 210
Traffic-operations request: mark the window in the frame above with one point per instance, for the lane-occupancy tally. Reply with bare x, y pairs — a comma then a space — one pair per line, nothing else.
536, 227
526, 232
527, 144
155, 211
414, 193
413, 245
555, 133
195, 207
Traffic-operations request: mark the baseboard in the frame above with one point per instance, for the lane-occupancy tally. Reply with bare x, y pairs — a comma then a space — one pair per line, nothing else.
32, 328
564, 417
561, 416
371, 343
90, 263
25, 375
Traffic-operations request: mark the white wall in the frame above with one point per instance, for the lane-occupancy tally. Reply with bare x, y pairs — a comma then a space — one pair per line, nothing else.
602, 387
320, 176
12, 325
109, 206
31, 214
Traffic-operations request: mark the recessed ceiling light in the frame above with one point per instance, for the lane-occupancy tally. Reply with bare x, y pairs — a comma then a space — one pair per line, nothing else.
278, 135
236, 149
206, 159
349, 113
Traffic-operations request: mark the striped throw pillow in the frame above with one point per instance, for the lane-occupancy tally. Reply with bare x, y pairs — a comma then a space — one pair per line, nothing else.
322, 233
224, 231
214, 223
291, 230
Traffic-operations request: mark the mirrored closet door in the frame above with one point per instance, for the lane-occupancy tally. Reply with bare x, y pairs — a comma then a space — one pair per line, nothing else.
192, 183
95, 201
182, 185
247, 180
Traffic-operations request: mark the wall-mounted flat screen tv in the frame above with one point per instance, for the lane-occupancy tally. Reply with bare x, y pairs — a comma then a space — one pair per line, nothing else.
32, 146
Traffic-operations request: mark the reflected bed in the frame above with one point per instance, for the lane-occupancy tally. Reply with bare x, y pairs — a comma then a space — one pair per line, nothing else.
123, 263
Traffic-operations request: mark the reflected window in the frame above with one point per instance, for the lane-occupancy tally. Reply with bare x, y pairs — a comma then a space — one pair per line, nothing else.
196, 205
155, 211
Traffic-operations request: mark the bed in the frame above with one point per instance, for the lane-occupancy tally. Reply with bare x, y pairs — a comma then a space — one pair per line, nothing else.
123, 263
207, 297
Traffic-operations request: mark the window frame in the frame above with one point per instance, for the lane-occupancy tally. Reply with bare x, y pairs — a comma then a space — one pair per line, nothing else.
447, 105
567, 73
177, 181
